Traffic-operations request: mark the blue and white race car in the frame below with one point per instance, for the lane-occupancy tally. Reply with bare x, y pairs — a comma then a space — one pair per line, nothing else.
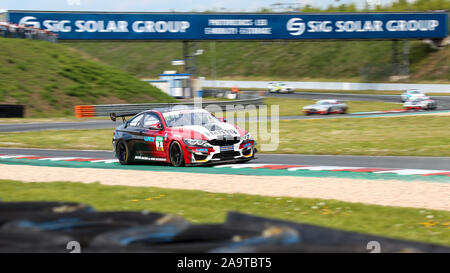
412, 94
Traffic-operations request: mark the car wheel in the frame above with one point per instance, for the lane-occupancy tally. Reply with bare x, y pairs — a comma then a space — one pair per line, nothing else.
124, 154
176, 154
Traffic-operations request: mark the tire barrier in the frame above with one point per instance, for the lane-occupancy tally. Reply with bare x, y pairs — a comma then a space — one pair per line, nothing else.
24, 210
31, 227
12, 111
84, 111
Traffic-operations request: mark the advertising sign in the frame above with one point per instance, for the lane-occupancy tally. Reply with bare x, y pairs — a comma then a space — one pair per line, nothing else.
243, 26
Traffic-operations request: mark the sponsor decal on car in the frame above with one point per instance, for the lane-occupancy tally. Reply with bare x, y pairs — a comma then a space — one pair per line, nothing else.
149, 139
227, 148
143, 157
159, 143
246, 145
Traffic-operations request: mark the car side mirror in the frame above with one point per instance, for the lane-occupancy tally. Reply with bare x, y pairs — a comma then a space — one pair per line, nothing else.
223, 119
155, 127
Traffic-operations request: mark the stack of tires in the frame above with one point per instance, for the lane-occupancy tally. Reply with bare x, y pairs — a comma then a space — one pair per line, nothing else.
33, 227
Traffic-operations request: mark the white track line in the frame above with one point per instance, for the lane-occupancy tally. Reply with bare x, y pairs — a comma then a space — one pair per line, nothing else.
106, 161
241, 166
59, 158
410, 171
14, 156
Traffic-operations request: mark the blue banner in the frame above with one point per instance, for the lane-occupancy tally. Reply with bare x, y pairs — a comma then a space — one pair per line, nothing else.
202, 26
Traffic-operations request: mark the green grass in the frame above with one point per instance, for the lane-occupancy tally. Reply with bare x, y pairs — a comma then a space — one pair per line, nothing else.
49, 79
70, 118
294, 107
290, 107
203, 207
355, 61
390, 136
60, 139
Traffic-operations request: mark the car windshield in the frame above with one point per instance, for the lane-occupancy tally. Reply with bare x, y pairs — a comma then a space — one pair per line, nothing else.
323, 102
189, 117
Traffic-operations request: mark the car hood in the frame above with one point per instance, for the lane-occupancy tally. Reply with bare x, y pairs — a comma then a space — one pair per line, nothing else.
314, 106
208, 131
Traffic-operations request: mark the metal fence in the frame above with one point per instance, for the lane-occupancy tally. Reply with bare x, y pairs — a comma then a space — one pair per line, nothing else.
105, 110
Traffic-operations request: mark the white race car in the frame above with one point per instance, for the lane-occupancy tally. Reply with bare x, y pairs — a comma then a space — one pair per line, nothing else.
420, 103
412, 94
279, 87
325, 107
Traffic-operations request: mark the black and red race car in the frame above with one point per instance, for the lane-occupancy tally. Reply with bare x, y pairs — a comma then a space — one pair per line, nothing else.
182, 137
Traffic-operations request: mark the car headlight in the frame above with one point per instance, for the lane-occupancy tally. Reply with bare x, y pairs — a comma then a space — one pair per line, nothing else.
196, 142
247, 136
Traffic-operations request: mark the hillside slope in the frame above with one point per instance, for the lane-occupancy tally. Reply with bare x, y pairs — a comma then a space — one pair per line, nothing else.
329, 61
51, 78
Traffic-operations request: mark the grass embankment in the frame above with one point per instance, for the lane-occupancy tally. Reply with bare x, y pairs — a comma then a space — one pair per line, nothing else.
392, 136
198, 206
353, 61
49, 79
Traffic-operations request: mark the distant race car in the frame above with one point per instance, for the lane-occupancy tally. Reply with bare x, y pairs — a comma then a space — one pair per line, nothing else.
420, 103
325, 107
279, 87
412, 94
181, 137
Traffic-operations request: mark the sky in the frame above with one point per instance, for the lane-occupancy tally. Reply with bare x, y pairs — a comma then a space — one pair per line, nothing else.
162, 5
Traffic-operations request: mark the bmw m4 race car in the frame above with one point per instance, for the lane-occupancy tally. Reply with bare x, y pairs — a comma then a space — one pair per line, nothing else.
180, 137
420, 103
279, 87
325, 107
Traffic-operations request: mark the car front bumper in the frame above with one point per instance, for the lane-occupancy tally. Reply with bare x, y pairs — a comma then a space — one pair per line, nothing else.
215, 154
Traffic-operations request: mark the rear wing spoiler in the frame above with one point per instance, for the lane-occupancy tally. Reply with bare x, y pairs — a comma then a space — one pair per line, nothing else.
114, 116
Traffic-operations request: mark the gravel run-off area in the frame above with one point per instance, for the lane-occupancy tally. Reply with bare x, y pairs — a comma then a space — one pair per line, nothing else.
415, 194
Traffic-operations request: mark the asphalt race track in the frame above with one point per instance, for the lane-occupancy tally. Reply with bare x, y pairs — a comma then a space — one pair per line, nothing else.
443, 104
442, 101
435, 163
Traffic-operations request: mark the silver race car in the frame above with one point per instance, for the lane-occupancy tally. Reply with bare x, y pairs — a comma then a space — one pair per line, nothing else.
420, 103
325, 107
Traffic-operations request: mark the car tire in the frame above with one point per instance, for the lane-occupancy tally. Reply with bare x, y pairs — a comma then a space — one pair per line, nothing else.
124, 154
176, 154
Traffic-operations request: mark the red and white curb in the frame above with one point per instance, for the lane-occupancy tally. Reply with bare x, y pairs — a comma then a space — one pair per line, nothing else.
337, 169
291, 168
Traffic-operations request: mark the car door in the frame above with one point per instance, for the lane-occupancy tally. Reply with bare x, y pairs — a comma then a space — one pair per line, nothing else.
135, 131
154, 136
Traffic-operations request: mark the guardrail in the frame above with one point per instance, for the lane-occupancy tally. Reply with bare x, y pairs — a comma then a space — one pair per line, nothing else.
428, 88
83, 111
